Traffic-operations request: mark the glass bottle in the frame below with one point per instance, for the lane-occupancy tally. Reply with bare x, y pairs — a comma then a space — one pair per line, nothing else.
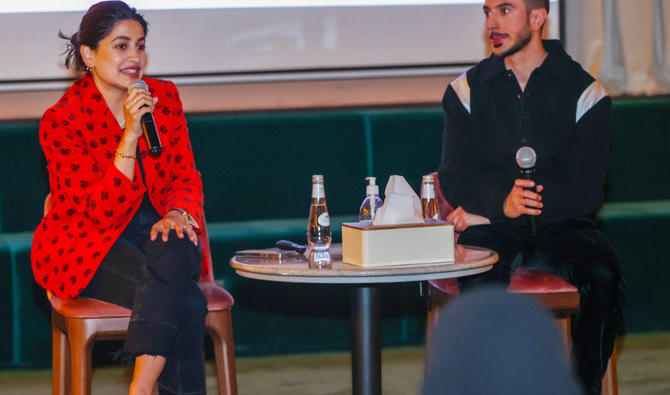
320, 260
428, 201
319, 233
371, 202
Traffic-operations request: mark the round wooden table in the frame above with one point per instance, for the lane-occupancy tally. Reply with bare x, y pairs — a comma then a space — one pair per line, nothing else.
328, 268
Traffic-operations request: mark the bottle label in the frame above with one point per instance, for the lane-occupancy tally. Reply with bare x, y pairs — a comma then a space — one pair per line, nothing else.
428, 191
318, 191
324, 219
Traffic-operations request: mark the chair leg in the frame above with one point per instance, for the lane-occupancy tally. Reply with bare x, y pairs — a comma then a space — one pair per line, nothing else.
432, 315
610, 380
220, 327
80, 339
434, 306
60, 360
563, 323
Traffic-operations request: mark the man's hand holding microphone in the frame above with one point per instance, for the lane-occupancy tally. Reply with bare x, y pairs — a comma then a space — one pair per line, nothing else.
525, 198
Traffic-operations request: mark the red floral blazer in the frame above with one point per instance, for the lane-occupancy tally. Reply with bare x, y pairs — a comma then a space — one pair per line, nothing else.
92, 202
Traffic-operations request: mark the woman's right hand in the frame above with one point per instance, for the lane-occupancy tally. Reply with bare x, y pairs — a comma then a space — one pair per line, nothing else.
138, 103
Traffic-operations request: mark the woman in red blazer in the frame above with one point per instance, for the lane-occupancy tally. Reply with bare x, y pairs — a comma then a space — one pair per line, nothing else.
123, 224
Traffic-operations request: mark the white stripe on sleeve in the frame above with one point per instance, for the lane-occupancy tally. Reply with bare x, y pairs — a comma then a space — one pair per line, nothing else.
589, 98
462, 89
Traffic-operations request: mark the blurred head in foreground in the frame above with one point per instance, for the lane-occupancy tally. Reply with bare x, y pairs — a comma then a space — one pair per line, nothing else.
492, 342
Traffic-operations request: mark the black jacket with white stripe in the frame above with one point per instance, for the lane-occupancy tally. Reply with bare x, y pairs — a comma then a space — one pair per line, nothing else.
563, 114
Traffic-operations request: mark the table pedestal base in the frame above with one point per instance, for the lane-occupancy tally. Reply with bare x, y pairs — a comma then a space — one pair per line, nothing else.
365, 284
366, 340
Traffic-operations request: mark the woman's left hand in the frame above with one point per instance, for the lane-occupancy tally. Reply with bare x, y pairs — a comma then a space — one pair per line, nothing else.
173, 220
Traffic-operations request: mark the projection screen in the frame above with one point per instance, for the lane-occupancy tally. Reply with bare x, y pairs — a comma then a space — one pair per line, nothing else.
231, 40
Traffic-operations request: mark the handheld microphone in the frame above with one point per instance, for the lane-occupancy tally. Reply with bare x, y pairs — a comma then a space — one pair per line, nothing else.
148, 124
526, 158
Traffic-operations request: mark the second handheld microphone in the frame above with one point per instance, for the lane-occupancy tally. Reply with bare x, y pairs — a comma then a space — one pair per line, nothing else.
148, 124
526, 158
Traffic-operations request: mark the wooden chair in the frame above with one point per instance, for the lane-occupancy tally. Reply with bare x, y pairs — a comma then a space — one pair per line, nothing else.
552, 292
77, 323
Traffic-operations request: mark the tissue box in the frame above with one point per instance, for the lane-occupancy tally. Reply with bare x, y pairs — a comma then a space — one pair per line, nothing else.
366, 245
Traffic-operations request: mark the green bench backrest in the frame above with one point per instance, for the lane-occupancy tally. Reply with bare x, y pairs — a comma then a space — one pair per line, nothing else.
406, 142
640, 154
23, 180
258, 165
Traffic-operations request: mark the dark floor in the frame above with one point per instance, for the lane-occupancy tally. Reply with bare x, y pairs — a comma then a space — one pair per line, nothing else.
643, 367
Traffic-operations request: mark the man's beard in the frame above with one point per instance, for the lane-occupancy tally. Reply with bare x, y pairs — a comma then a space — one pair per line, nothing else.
523, 40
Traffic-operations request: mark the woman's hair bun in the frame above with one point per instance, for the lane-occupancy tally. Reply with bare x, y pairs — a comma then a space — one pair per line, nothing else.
72, 55
96, 24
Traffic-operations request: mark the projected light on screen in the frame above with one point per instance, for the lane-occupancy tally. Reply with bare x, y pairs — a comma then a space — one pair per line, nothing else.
80, 5
250, 40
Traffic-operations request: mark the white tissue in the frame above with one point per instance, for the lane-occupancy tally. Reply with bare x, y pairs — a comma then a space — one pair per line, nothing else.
401, 204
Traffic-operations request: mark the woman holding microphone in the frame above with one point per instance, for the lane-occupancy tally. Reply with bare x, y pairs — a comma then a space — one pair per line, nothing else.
123, 223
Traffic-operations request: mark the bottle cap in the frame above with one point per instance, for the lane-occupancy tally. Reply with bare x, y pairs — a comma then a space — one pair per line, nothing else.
317, 178
372, 188
428, 178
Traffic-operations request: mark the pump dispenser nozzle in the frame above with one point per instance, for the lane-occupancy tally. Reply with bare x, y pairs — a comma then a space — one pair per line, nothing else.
372, 188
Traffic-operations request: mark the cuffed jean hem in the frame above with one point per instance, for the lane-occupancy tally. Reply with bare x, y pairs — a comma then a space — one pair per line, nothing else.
164, 391
149, 337
182, 378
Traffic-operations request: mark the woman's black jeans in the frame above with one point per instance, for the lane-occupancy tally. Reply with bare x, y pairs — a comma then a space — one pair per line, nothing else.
158, 281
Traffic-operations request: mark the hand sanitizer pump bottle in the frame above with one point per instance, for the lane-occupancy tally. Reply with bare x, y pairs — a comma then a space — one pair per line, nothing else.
372, 201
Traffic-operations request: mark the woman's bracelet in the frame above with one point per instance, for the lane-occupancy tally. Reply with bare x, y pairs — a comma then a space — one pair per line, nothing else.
123, 155
187, 217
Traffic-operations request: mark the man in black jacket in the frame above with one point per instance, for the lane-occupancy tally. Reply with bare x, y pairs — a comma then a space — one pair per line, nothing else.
529, 92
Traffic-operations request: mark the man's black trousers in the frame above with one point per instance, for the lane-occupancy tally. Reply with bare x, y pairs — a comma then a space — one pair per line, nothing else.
577, 252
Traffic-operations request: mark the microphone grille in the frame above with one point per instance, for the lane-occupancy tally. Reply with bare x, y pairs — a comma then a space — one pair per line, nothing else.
138, 84
526, 157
